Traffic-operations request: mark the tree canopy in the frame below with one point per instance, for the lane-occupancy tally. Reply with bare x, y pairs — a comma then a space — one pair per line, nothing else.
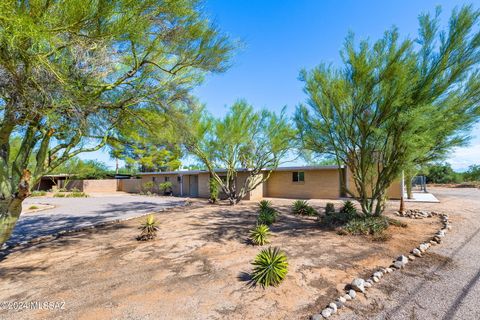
244, 140
72, 71
394, 101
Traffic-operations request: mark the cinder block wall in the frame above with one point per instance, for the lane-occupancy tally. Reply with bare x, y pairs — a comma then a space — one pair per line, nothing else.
105, 185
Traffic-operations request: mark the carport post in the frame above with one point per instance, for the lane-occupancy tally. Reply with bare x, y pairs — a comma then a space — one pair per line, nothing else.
181, 186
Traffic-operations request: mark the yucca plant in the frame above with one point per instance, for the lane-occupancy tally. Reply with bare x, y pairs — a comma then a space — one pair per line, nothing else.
270, 267
267, 216
259, 235
302, 207
265, 205
329, 208
149, 228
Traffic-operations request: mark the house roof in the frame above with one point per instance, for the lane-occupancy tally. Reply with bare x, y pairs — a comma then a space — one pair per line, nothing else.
188, 172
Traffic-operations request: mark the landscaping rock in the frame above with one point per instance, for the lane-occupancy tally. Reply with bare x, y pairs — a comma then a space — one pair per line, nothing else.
368, 283
399, 264
333, 306
403, 259
358, 284
411, 257
347, 297
342, 299
327, 312
378, 274
352, 294
317, 316
339, 304
375, 279
417, 252
423, 247
389, 270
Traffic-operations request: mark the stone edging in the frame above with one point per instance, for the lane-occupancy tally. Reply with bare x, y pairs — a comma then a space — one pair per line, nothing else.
23, 244
360, 285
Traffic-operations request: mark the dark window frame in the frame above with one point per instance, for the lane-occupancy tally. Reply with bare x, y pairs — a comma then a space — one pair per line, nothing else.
298, 176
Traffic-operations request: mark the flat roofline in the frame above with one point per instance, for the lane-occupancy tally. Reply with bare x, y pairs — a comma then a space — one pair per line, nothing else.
188, 172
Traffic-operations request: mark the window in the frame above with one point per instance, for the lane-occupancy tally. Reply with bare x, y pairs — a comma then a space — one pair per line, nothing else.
154, 179
298, 176
167, 179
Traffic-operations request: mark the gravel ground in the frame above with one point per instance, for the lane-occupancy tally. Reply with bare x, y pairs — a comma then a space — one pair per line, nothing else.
81, 212
445, 284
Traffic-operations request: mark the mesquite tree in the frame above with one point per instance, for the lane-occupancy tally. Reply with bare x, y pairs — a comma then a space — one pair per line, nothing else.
70, 71
394, 100
244, 140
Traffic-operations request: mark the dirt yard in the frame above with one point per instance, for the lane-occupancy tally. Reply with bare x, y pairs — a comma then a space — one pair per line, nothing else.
197, 268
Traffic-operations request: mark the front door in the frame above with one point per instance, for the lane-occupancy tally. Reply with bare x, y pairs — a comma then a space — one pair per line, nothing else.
193, 186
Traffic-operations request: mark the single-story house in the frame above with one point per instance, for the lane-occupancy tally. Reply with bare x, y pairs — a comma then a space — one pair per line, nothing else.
302, 182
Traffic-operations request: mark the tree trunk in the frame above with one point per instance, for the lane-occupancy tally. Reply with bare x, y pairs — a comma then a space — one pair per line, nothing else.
11, 207
10, 210
408, 186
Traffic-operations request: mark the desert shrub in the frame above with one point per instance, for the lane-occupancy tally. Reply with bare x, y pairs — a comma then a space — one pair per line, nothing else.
397, 223
259, 235
33, 207
329, 208
149, 229
214, 191
267, 216
59, 195
302, 207
62, 190
166, 187
38, 193
349, 208
265, 205
270, 267
343, 216
371, 225
147, 188
76, 194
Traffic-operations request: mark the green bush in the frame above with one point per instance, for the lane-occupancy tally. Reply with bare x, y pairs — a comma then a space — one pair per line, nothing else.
302, 207
349, 208
372, 225
149, 229
343, 216
329, 208
76, 194
147, 188
267, 216
59, 195
166, 187
33, 208
214, 191
38, 193
270, 267
259, 235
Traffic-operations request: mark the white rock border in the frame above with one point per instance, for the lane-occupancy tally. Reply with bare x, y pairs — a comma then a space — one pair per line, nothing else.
360, 285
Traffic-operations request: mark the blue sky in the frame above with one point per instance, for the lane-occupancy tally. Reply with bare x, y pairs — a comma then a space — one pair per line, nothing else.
279, 38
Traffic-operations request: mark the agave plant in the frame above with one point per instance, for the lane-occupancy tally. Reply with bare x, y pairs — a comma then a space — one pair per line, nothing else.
267, 216
302, 207
349, 209
260, 234
264, 205
149, 228
270, 267
329, 208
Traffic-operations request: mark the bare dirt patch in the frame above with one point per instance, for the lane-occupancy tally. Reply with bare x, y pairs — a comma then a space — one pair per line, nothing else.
197, 268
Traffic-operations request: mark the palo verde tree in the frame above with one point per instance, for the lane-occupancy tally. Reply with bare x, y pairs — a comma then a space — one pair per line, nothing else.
245, 140
373, 114
71, 71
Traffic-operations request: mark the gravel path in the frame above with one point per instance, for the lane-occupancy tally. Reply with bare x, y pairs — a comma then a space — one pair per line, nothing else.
72, 213
445, 284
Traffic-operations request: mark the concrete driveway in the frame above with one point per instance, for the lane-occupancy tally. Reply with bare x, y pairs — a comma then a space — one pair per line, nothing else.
72, 213
445, 283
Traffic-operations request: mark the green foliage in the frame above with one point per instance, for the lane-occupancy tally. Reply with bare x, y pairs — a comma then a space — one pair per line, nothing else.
259, 235
149, 228
347, 213
349, 208
59, 195
302, 207
38, 193
442, 173
83, 169
214, 191
329, 208
244, 138
270, 267
473, 173
32, 208
264, 205
76, 194
148, 188
395, 102
166, 187
267, 216
366, 225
